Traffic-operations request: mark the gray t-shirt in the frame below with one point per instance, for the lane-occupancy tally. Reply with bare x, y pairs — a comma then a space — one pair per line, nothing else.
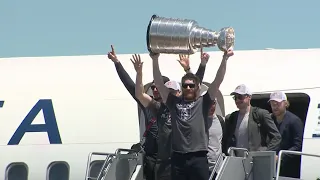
162, 114
215, 138
241, 131
189, 123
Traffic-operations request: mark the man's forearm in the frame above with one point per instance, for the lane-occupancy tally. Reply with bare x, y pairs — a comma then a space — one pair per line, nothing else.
144, 98
139, 84
201, 71
156, 73
159, 81
214, 86
125, 78
188, 70
221, 72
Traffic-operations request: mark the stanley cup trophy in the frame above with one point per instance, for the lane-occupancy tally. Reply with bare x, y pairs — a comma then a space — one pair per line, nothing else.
183, 36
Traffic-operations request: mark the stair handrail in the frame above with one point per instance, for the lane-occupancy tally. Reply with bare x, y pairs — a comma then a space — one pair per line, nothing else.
232, 149
90, 158
218, 161
293, 153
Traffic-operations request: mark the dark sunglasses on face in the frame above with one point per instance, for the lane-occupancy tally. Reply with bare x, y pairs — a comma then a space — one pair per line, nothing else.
185, 86
240, 97
153, 87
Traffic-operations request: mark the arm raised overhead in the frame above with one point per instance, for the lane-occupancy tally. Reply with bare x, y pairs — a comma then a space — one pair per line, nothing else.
144, 98
214, 86
122, 73
163, 90
185, 64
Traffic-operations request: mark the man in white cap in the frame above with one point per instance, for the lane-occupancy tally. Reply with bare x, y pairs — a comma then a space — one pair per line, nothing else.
263, 135
291, 130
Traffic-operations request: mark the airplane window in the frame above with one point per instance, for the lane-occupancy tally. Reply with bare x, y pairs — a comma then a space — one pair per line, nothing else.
17, 171
58, 171
95, 168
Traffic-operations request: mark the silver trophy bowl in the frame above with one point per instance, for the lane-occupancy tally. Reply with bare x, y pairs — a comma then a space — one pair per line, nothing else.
183, 36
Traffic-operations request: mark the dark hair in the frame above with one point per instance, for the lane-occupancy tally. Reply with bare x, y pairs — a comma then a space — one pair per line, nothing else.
190, 76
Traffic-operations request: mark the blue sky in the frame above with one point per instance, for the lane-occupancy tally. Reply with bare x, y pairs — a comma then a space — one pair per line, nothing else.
79, 27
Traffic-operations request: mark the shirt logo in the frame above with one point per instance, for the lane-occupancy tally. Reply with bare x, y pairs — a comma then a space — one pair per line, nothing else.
166, 117
184, 111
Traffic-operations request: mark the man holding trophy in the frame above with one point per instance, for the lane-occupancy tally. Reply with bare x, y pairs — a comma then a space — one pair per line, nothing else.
189, 112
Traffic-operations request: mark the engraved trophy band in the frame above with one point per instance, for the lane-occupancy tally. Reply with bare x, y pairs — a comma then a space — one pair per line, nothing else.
184, 36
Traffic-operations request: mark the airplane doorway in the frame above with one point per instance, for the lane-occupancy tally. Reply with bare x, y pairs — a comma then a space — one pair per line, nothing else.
299, 103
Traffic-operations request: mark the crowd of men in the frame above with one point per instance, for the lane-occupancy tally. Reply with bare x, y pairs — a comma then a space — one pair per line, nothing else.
184, 136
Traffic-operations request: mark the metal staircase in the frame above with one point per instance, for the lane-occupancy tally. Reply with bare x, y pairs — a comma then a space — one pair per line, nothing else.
117, 166
126, 164
259, 165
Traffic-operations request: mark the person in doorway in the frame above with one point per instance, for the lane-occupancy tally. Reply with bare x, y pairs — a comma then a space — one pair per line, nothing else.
291, 129
216, 126
250, 127
189, 113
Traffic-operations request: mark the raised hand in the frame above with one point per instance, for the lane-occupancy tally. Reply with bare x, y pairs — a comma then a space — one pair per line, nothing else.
136, 61
204, 57
228, 53
112, 55
154, 56
184, 61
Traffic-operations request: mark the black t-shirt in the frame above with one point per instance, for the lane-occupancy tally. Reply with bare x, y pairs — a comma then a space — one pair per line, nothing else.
164, 128
151, 145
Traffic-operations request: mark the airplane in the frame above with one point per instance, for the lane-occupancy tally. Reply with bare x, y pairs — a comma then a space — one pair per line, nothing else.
57, 110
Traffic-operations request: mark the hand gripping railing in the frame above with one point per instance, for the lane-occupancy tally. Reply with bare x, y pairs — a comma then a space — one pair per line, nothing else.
293, 153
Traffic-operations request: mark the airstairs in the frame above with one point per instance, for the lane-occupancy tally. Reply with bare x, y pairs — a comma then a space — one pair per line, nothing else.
124, 164
260, 165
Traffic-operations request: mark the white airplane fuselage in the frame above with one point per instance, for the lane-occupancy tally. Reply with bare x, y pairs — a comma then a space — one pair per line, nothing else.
59, 109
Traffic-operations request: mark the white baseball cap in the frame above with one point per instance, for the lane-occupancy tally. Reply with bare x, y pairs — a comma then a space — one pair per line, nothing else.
242, 90
278, 96
173, 85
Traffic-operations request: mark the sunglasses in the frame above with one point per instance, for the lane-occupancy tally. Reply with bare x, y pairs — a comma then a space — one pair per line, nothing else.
240, 97
152, 87
185, 86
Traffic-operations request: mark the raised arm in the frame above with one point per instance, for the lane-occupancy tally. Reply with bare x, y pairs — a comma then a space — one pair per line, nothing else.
163, 90
185, 64
214, 86
202, 66
144, 98
123, 75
